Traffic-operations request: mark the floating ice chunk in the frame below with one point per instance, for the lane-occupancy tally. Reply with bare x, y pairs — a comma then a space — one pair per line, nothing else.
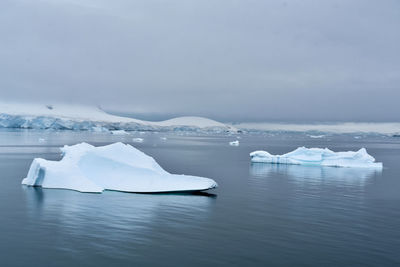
119, 132
234, 143
163, 138
316, 136
138, 140
42, 140
319, 157
119, 167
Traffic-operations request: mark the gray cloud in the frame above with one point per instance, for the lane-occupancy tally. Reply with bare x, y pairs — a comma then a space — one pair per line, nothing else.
231, 60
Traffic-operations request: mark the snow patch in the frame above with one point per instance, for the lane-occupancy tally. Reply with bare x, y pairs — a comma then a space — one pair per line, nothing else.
316, 136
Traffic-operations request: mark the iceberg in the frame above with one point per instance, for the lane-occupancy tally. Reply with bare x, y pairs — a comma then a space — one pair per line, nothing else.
319, 157
118, 167
234, 143
119, 132
316, 136
138, 140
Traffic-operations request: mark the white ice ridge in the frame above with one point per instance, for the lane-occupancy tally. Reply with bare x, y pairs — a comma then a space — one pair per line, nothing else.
389, 128
118, 167
319, 157
78, 117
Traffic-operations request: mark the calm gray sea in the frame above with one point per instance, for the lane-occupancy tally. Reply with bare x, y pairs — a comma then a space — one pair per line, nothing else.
261, 215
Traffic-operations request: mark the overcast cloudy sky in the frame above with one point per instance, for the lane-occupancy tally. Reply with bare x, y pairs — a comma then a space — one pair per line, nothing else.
227, 59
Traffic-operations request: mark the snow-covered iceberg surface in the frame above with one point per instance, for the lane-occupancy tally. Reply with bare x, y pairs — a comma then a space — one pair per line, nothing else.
118, 166
319, 157
75, 117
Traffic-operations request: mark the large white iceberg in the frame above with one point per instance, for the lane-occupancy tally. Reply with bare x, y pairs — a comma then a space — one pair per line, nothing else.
319, 157
118, 166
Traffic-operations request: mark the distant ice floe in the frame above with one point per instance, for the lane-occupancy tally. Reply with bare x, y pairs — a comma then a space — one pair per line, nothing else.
118, 167
386, 128
316, 136
319, 157
100, 129
234, 143
119, 132
138, 140
163, 138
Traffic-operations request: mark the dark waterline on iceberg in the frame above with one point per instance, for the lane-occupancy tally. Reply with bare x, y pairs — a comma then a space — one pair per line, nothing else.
259, 215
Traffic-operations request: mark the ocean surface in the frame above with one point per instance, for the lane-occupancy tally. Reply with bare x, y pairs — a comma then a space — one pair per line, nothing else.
260, 215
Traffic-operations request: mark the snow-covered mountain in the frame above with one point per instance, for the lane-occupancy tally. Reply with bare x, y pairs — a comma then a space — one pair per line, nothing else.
78, 117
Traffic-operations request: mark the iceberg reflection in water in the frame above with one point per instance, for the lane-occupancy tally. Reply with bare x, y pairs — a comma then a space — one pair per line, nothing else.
315, 174
122, 221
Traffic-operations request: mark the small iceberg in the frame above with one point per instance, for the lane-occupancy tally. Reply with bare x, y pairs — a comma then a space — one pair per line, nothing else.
316, 136
319, 157
118, 167
137, 140
234, 143
119, 132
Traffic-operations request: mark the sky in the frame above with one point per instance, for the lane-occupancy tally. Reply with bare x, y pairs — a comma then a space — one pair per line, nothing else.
249, 60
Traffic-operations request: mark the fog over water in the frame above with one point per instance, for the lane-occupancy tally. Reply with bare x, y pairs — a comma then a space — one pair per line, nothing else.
228, 60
